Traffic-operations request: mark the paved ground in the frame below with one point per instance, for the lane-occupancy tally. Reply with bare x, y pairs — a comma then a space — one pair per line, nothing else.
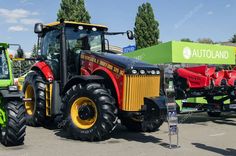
199, 135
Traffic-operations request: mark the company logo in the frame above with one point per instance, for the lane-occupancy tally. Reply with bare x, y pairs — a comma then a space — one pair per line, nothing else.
205, 53
187, 53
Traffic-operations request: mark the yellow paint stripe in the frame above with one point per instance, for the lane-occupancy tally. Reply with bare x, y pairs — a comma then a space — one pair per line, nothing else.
76, 23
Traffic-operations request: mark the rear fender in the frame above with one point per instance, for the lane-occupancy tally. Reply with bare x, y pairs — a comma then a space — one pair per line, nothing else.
45, 69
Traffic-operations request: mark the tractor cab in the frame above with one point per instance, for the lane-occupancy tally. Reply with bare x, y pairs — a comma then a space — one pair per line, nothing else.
79, 38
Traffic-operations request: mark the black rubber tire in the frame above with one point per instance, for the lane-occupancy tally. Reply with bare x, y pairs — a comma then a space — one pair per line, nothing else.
106, 109
142, 126
14, 132
214, 114
38, 117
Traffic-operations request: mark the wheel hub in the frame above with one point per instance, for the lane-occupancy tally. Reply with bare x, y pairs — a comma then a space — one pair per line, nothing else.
86, 112
29, 105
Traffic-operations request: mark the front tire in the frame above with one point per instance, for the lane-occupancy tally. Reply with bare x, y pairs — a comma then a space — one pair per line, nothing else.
12, 134
35, 88
90, 112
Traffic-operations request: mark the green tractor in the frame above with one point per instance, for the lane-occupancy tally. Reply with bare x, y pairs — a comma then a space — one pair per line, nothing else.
12, 110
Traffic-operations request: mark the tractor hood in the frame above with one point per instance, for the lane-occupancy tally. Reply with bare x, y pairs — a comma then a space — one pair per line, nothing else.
126, 63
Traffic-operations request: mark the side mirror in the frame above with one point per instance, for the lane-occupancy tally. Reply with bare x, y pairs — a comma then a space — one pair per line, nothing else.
38, 28
130, 34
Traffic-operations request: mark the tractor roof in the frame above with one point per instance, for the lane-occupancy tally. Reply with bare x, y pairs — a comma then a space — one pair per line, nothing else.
76, 23
4, 45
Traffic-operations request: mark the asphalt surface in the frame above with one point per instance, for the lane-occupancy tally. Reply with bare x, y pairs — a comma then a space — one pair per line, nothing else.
199, 135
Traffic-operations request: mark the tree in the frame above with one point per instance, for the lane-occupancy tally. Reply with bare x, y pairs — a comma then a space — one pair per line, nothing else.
34, 51
233, 40
146, 27
186, 40
73, 10
19, 53
205, 40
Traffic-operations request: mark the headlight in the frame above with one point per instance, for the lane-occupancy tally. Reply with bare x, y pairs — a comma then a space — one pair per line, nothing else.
134, 71
12, 88
153, 72
157, 72
142, 72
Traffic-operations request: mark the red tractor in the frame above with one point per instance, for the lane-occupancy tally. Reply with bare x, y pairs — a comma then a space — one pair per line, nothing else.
77, 78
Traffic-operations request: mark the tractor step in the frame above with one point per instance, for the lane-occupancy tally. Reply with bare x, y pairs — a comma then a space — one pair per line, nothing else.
27, 99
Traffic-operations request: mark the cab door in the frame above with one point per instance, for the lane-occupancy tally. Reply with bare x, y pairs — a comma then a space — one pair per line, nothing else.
50, 50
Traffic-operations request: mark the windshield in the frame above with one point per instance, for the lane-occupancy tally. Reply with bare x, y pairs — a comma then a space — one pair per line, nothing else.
78, 40
4, 73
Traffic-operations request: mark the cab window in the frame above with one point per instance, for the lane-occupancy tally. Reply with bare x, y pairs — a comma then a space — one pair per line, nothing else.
4, 72
51, 45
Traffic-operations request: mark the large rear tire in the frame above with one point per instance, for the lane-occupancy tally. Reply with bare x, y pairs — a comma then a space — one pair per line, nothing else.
139, 125
12, 134
35, 88
90, 112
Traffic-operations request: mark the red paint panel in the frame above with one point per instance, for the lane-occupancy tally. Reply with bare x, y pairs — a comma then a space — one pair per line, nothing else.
194, 80
45, 69
116, 78
84, 72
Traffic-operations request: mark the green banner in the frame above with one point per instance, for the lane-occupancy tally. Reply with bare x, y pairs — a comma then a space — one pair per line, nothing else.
186, 52
202, 53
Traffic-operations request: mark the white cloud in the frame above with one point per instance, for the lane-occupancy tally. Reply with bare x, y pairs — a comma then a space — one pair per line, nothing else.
228, 5
30, 21
35, 13
17, 28
210, 13
12, 16
25, 1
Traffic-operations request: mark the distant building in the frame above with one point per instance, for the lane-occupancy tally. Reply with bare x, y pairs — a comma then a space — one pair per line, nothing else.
228, 44
114, 49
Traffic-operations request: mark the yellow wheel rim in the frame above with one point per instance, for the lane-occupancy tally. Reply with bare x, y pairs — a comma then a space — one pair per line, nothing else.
76, 114
29, 105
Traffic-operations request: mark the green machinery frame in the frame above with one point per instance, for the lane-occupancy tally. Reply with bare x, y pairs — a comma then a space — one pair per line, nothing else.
5, 83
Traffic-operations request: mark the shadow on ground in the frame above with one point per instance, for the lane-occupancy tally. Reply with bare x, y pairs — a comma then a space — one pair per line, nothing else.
202, 118
122, 133
119, 133
227, 151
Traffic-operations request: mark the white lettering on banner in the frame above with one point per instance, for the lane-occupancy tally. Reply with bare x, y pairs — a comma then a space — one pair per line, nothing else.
205, 53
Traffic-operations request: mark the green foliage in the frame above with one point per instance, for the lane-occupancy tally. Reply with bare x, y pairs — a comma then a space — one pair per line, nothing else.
19, 53
22, 67
205, 40
34, 51
233, 40
146, 27
73, 10
186, 40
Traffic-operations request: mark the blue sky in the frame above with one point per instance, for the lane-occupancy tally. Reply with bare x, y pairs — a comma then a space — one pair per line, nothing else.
178, 19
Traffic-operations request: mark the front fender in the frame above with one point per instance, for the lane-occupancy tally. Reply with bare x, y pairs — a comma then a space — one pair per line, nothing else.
113, 79
81, 79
